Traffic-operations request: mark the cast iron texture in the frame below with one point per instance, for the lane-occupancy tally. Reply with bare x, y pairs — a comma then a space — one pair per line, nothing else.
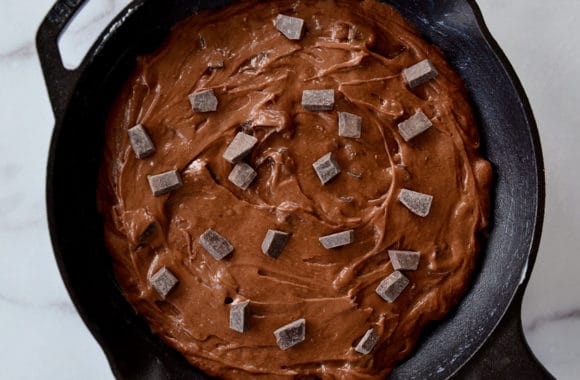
81, 99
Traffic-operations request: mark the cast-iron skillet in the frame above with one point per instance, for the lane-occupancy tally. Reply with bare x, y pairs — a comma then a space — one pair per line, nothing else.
490, 311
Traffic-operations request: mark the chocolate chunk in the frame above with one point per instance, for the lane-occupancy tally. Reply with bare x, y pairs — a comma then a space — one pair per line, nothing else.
367, 342
338, 239
392, 286
203, 101
140, 142
291, 334
163, 281
420, 73
274, 242
164, 182
240, 317
414, 126
242, 175
215, 244
326, 168
318, 100
417, 203
404, 260
291, 27
240, 146
349, 125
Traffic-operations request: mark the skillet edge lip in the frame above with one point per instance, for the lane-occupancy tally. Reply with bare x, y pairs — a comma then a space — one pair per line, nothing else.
540, 190
508, 70
93, 51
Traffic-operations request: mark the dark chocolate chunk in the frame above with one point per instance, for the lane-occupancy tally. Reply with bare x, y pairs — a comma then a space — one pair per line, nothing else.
392, 286
349, 125
367, 342
215, 244
414, 126
404, 260
420, 73
163, 281
326, 168
240, 316
291, 27
338, 239
417, 203
291, 334
241, 145
141, 142
203, 101
164, 182
318, 100
242, 175
274, 242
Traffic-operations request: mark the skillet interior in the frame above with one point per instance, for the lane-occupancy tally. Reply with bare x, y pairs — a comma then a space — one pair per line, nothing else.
509, 142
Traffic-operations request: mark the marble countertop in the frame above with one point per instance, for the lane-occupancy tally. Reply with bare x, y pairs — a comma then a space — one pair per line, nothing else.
41, 335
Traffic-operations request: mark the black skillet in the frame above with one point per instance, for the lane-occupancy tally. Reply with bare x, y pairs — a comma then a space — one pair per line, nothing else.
482, 339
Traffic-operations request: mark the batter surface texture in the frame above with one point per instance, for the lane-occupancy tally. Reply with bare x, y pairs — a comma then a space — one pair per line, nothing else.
359, 50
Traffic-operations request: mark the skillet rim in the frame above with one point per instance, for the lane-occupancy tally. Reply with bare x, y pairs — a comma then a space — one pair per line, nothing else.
498, 55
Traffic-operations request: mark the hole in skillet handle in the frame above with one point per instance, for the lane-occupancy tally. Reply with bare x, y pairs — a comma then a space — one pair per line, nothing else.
83, 29
59, 80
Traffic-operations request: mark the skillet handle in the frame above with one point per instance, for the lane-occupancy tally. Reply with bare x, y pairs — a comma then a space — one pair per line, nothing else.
506, 354
60, 81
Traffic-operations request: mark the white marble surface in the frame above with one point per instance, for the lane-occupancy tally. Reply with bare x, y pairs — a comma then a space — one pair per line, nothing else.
42, 337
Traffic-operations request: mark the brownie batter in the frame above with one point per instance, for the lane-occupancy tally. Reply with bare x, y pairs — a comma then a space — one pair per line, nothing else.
358, 49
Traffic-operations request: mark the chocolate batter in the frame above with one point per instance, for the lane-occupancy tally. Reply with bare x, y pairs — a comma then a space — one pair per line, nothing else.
258, 75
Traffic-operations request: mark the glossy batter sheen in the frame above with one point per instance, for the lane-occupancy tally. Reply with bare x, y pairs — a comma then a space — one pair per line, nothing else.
358, 49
